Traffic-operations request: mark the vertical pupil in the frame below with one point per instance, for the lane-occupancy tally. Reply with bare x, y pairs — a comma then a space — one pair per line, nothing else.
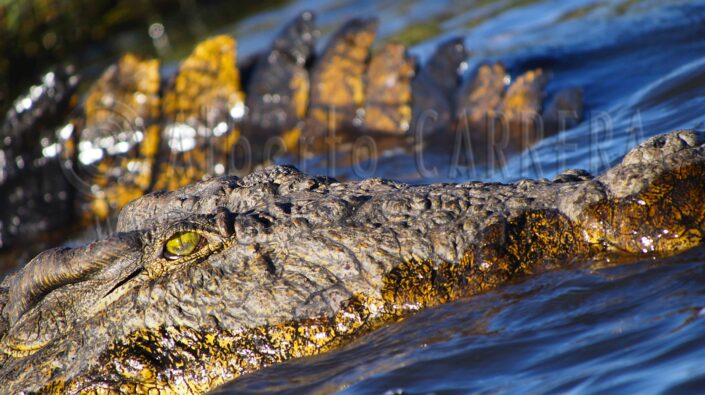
180, 247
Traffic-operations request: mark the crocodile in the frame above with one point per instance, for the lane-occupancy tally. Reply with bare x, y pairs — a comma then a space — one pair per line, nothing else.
226, 276
139, 129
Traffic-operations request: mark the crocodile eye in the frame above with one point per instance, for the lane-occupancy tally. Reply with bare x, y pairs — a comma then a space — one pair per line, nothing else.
182, 244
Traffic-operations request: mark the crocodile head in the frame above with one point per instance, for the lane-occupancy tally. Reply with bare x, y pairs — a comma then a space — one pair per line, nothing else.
226, 276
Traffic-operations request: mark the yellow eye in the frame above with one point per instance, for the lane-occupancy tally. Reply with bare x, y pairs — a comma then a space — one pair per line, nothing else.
182, 244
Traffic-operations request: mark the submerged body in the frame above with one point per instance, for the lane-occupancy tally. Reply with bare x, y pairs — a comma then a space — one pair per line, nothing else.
138, 131
227, 276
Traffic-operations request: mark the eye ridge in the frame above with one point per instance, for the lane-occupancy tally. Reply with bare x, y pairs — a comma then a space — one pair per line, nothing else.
189, 241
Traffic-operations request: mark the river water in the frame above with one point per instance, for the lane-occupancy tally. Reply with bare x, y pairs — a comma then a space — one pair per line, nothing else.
599, 328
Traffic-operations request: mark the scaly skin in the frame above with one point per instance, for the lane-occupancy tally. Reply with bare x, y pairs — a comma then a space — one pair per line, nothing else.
282, 102
138, 132
289, 265
388, 95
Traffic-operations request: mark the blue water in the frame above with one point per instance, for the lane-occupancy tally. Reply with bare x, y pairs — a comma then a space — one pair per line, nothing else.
598, 328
